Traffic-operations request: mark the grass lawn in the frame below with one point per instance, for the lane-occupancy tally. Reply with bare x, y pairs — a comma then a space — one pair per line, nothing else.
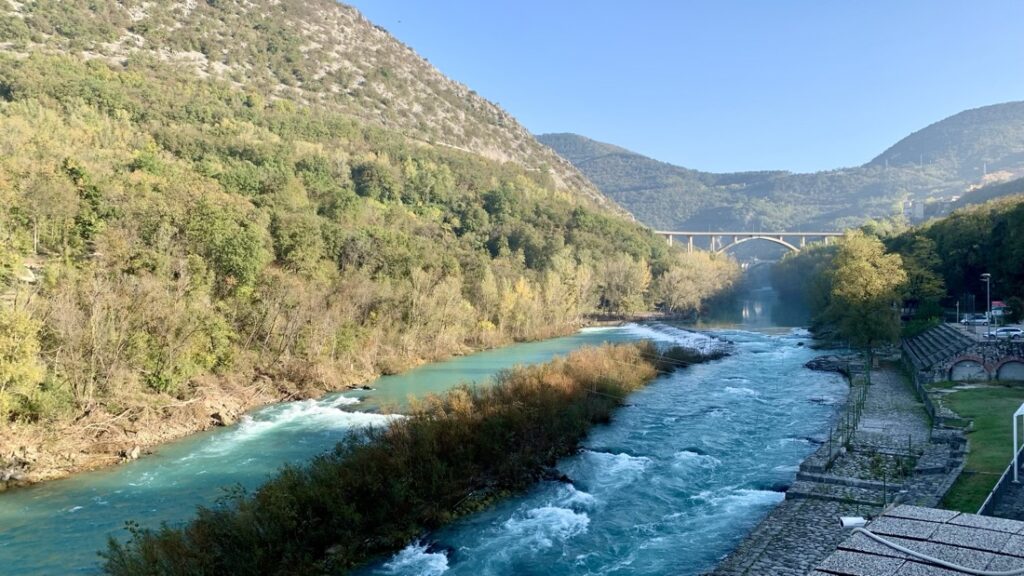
992, 409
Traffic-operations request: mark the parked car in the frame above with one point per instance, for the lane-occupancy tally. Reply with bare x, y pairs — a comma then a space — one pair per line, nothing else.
975, 320
1007, 332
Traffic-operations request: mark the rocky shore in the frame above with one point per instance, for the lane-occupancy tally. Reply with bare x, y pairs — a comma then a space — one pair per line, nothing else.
30, 453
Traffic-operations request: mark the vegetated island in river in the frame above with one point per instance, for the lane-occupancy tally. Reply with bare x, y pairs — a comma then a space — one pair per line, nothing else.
382, 488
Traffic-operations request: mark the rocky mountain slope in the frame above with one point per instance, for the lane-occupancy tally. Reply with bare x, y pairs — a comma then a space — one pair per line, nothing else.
946, 159
314, 50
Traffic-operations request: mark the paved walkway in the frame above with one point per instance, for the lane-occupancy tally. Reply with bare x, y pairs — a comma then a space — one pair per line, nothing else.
893, 414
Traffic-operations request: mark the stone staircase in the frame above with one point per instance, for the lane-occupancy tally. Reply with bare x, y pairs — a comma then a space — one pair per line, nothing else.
935, 344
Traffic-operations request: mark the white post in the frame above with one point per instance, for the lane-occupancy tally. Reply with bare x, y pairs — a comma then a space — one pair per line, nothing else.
1019, 413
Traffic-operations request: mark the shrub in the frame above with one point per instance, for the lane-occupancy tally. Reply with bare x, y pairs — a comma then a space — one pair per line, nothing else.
380, 488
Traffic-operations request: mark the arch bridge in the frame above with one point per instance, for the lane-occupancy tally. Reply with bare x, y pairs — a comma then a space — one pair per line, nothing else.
720, 242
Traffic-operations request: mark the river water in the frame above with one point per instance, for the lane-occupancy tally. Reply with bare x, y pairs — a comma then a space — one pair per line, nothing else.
672, 484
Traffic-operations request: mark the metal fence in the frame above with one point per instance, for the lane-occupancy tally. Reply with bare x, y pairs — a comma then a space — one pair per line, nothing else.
1001, 486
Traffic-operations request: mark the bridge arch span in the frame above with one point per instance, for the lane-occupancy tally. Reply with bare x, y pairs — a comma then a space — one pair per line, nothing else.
774, 239
792, 241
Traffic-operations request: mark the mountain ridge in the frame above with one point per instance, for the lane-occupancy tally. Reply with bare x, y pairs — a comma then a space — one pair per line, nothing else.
950, 157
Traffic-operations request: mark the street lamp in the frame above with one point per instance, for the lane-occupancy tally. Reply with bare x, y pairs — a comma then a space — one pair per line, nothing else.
988, 295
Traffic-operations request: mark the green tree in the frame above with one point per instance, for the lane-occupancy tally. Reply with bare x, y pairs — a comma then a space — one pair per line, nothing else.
623, 284
234, 248
298, 242
20, 369
866, 284
376, 180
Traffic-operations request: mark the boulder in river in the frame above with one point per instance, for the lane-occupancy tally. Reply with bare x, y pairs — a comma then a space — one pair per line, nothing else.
829, 364
129, 455
222, 419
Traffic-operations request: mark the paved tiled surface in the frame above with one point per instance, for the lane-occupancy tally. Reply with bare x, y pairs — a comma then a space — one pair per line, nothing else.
975, 542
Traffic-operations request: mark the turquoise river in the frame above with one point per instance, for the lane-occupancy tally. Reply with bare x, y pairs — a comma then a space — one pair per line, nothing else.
682, 473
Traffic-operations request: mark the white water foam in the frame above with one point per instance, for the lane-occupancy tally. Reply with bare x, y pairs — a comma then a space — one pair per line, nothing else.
781, 442
741, 390
312, 414
688, 458
568, 496
670, 334
611, 470
416, 560
597, 329
539, 528
737, 499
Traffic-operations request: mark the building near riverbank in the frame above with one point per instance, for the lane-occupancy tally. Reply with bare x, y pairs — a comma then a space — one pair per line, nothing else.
947, 352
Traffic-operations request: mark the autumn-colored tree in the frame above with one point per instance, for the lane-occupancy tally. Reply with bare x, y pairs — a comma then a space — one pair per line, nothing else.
866, 286
20, 368
623, 284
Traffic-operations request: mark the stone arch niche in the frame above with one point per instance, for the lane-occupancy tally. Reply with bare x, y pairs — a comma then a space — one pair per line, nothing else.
1012, 369
967, 370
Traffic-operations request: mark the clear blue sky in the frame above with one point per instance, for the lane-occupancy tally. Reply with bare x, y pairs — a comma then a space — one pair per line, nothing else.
723, 85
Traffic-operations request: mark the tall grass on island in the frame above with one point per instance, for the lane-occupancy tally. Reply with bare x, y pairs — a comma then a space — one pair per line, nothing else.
383, 487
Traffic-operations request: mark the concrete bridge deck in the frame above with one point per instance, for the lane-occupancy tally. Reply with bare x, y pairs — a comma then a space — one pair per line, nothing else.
718, 245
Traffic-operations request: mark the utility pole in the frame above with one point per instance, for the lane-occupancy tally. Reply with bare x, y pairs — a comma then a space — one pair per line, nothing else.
988, 294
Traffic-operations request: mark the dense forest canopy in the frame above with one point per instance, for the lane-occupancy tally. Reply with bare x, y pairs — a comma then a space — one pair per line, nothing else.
174, 244
195, 221
937, 265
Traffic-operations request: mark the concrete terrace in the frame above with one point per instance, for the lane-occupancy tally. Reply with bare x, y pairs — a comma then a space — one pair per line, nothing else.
975, 542
935, 345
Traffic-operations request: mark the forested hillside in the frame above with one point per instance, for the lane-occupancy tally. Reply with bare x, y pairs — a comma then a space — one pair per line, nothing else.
991, 192
182, 238
945, 159
317, 51
927, 268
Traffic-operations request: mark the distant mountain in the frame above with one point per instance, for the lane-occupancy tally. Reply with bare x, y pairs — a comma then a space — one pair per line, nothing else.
946, 159
968, 144
991, 192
